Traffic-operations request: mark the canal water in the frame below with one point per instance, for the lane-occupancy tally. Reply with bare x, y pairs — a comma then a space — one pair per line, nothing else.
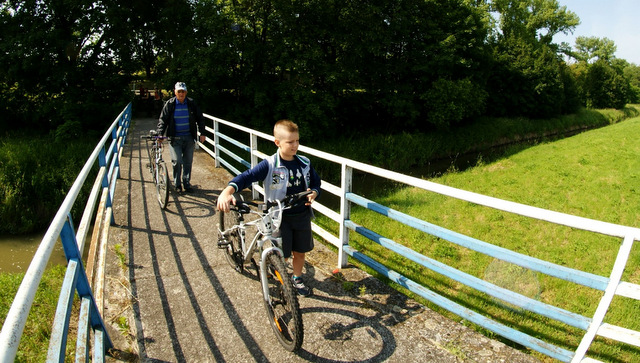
16, 252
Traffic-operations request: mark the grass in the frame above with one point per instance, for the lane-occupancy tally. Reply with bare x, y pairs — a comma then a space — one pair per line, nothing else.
594, 174
37, 332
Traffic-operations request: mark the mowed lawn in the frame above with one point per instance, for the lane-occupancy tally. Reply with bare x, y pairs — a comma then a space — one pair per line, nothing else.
595, 174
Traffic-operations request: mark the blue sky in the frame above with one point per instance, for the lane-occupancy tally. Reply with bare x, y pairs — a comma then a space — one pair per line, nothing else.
613, 19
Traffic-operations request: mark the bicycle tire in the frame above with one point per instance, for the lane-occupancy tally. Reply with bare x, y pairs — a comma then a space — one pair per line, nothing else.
162, 185
283, 309
233, 251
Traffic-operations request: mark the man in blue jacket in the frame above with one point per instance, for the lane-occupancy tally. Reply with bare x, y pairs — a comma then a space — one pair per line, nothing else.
181, 119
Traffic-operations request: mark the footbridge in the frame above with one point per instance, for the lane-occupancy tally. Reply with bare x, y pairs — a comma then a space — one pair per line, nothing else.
155, 288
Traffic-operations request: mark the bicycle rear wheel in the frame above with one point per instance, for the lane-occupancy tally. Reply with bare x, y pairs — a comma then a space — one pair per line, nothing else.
282, 304
233, 249
162, 185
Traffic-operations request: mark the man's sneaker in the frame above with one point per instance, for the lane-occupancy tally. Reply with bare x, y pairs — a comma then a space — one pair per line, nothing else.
299, 285
188, 188
178, 188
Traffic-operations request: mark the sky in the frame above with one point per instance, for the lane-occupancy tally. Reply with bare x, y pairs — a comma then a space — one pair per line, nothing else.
613, 19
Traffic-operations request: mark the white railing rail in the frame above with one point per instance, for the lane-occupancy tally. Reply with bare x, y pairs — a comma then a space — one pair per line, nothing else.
220, 149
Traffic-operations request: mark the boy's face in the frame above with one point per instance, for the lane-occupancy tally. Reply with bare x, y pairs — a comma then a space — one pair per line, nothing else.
288, 143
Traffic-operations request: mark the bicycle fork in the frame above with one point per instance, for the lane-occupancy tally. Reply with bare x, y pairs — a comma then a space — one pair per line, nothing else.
263, 270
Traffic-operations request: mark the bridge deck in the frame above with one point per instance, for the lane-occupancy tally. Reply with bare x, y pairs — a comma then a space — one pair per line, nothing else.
185, 303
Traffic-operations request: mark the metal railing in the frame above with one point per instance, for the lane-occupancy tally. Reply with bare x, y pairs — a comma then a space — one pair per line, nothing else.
89, 283
592, 326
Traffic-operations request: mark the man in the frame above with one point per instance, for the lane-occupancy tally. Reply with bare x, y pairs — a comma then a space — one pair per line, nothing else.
181, 119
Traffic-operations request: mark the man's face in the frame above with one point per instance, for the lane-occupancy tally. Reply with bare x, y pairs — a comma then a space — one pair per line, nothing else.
181, 95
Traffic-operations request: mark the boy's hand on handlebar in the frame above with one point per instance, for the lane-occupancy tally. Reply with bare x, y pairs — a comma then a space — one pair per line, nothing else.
225, 200
311, 197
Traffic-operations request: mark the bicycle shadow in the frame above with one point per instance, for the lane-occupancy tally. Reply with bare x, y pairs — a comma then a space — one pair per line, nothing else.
350, 327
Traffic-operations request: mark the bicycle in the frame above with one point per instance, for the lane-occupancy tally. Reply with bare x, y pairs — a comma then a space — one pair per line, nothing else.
280, 298
157, 167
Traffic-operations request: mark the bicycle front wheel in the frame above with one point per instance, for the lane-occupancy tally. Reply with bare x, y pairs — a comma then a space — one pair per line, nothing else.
282, 304
162, 185
233, 248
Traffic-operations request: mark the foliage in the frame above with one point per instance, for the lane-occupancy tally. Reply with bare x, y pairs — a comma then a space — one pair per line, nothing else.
529, 78
324, 63
35, 176
590, 49
59, 62
426, 154
332, 66
37, 331
604, 86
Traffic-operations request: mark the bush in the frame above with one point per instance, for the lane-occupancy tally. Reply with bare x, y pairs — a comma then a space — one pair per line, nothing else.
450, 102
35, 176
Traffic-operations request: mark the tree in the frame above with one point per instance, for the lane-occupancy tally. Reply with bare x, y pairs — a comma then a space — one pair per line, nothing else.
600, 76
529, 78
60, 61
591, 49
604, 86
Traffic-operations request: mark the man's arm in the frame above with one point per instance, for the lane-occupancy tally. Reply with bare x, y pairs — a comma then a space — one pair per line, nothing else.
164, 118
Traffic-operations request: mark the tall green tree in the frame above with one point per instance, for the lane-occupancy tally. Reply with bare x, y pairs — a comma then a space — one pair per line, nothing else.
60, 61
529, 77
591, 49
601, 77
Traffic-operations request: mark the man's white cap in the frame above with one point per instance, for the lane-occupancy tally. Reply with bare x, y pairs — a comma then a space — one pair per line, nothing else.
180, 86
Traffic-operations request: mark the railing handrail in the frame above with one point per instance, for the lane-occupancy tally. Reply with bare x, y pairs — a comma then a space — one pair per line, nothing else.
15, 321
611, 285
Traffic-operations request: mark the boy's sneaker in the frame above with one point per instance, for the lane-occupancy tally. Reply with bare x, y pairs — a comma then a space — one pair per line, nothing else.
299, 285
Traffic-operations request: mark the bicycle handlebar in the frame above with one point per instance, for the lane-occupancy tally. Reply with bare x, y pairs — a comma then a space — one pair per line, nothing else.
153, 135
288, 202
291, 201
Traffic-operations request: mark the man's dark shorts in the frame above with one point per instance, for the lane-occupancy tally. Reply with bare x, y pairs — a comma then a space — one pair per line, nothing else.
296, 233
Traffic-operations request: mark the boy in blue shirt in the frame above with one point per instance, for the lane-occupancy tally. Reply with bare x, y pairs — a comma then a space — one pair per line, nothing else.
282, 174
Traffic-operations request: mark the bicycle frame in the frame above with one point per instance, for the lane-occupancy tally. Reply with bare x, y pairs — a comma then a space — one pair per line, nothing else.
264, 226
156, 158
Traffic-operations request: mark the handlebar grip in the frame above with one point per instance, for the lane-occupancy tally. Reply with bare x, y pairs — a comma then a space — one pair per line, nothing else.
242, 206
293, 199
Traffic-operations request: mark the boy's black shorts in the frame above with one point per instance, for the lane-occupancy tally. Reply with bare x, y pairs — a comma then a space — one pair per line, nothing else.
296, 233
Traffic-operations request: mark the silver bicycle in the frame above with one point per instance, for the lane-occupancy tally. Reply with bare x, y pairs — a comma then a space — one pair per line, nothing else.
241, 239
157, 167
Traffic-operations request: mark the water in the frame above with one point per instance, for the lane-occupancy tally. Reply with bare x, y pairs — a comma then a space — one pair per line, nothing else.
16, 252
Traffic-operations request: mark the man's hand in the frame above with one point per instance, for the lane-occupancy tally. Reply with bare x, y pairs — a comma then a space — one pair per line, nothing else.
203, 138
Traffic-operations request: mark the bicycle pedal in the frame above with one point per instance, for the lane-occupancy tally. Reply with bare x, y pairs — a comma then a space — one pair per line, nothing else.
223, 244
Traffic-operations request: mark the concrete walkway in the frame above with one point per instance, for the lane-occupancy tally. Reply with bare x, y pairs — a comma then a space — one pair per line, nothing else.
173, 297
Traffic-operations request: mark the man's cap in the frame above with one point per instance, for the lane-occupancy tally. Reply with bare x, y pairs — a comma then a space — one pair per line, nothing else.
180, 86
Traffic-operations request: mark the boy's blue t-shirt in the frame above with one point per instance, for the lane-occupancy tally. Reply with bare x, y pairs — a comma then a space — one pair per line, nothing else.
295, 184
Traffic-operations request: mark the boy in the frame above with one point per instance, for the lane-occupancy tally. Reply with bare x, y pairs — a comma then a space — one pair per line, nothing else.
282, 174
